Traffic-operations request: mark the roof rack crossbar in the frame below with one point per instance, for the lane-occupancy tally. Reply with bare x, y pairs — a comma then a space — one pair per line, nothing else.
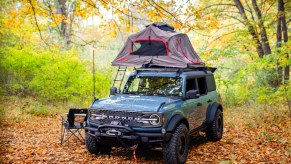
177, 70
173, 69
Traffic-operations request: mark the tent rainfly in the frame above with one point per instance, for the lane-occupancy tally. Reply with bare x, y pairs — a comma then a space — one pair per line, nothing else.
158, 45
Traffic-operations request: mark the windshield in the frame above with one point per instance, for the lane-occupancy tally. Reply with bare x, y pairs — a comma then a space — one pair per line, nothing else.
153, 86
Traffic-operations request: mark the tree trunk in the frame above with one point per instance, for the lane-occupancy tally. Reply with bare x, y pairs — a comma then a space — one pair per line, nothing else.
282, 28
250, 27
264, 36
62, 5
279, 40
72, 17
285, 36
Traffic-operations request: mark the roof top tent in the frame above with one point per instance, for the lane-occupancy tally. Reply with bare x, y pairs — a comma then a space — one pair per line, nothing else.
158, 45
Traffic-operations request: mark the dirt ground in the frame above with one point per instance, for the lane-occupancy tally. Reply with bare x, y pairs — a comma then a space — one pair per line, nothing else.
36, 140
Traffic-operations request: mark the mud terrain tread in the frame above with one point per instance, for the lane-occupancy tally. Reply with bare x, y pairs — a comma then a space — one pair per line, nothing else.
170, 154
211, 131
91, 144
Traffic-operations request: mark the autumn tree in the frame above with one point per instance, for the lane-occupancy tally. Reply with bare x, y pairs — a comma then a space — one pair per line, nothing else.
219, 31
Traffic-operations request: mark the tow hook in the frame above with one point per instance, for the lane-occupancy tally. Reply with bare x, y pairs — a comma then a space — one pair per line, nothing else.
134, 148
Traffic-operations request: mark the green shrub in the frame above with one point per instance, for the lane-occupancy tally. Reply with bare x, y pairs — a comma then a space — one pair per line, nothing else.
40, 110
50, 76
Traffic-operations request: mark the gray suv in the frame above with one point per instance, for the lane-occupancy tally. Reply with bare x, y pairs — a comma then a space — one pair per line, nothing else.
158, 107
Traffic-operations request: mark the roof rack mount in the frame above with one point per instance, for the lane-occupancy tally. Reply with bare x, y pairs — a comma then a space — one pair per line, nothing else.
172, 69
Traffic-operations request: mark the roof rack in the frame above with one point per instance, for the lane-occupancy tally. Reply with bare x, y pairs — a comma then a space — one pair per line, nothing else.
172, 69
190, 67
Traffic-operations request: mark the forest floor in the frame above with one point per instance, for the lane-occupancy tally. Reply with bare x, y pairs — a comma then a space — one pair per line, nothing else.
250, 136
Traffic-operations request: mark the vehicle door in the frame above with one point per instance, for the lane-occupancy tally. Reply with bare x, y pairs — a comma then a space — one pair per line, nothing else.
204, 99
193, 108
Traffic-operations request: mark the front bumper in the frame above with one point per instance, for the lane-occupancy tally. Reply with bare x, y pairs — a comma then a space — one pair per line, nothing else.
111, 132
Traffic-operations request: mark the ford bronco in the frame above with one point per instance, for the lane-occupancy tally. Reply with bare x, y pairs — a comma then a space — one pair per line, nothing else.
160, 108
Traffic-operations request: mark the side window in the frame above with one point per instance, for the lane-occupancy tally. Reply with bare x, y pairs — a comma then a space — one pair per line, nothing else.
190, 84
202, 86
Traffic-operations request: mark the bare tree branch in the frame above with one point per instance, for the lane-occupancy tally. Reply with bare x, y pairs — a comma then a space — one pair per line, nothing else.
36, 22
158, 7
269, 8
250, 10
85, 42
160, 13
53, 15
215, 5
263, 5
166, 11
219, 37
235, 18
117, 9
225, 10
180, 6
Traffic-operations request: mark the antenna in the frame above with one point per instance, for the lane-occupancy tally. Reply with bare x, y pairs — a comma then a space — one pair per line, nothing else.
94, 76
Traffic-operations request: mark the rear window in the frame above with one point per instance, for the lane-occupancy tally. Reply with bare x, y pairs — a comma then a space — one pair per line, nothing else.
210, 83
149, 48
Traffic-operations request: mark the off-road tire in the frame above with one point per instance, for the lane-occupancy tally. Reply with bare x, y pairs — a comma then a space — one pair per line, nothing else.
214, 130
176, 150
92, 144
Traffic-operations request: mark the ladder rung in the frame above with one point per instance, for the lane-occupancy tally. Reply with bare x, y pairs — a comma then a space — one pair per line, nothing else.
121, 71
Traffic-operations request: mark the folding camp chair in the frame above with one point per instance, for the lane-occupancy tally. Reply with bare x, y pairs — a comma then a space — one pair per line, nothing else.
72, 124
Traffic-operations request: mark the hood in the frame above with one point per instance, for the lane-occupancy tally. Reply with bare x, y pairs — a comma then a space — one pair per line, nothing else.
132, 103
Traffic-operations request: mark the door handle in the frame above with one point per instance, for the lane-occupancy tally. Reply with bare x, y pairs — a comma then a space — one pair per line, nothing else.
209, 101
199, 104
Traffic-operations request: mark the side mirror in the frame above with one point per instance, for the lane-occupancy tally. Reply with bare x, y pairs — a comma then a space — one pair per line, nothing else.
192, 94
113, 90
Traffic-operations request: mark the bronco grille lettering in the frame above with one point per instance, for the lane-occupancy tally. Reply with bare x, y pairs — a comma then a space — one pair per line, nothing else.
125, 117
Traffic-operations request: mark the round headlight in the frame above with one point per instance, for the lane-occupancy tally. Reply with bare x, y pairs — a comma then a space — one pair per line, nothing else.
155, 119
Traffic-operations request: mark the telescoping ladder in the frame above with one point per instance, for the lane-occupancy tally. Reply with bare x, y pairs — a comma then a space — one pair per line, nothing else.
118, 79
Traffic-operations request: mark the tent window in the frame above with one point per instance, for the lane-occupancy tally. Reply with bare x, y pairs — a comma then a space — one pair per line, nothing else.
149, 48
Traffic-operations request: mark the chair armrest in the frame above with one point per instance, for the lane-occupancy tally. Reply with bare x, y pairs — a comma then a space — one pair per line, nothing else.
64, 117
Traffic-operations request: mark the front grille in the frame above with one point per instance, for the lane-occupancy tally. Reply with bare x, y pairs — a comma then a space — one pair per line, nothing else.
126, 118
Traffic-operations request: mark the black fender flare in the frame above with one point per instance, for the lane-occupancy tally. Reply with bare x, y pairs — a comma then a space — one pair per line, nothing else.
174, 121
210, 114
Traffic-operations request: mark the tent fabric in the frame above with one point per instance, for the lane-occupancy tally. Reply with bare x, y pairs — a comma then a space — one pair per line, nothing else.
156, 47
163, 26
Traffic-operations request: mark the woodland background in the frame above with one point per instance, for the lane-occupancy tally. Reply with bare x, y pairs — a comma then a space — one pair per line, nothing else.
46, 51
